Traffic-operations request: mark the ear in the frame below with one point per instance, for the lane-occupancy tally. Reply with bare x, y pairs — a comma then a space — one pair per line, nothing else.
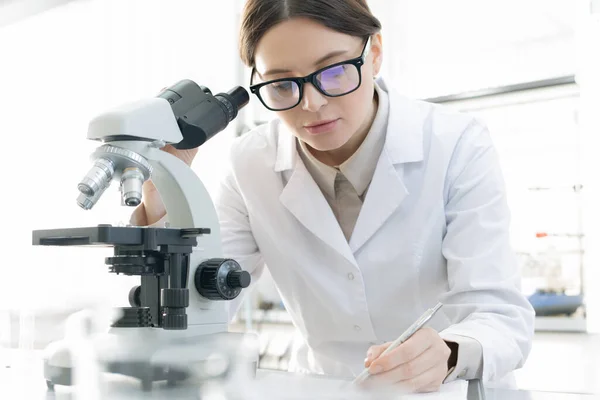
377, 52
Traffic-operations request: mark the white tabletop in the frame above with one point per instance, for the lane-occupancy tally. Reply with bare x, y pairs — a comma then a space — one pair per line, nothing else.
22, 378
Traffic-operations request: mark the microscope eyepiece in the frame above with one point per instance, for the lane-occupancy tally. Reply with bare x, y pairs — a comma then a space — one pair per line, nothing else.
199, 114
240, 95
233, 101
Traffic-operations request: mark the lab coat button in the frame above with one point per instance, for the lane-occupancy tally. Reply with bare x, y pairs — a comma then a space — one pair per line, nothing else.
462, 373
351, 276
357, 328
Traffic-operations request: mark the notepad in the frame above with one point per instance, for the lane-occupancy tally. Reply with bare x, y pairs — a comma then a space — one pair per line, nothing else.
453, 391
287, 386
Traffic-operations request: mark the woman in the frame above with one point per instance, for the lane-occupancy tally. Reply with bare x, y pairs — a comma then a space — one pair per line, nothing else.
367, 207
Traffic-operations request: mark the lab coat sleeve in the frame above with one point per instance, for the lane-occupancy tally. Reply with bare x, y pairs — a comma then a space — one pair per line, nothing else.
469, 362
483, 301
236, 235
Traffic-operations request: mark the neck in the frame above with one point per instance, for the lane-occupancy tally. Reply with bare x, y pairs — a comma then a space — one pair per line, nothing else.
337, 156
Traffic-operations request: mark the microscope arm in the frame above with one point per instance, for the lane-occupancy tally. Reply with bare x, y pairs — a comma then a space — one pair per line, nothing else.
186, 200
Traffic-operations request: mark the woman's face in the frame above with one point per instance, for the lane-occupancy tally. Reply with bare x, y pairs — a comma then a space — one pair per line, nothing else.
298, 47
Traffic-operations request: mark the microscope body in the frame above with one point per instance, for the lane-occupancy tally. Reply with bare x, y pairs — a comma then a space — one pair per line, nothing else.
188, 204
181, 302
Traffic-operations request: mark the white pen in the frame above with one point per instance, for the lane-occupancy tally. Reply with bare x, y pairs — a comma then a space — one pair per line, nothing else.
418, 324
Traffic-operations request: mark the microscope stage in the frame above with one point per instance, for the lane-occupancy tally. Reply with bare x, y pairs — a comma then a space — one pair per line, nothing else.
107, 235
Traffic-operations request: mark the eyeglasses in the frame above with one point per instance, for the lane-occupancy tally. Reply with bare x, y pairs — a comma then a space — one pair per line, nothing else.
335, 80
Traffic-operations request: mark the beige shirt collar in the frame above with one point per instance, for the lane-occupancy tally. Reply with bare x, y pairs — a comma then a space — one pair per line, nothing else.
360, 167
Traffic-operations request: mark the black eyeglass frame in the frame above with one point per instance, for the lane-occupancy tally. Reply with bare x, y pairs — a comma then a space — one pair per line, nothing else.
357, 62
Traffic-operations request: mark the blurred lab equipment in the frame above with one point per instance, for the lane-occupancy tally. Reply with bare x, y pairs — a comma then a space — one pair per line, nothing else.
553, 296
177, 318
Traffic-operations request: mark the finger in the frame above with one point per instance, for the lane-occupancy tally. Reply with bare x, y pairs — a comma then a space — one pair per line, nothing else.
374, 352
406, 352
425, 382
407, 371
428, 380
437, 354
431, 387
424, 362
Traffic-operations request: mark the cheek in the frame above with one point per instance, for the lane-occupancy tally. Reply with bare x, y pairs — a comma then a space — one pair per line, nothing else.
293, 120
356, 106
290, 118
351, 108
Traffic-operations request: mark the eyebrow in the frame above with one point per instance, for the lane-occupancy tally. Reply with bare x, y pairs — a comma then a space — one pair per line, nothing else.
319, 61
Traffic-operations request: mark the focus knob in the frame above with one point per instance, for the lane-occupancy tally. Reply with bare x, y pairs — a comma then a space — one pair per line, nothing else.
238, 279
220, 279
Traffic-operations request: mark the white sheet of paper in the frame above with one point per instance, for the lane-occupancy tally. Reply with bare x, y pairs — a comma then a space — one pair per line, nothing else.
286, 386
453, 391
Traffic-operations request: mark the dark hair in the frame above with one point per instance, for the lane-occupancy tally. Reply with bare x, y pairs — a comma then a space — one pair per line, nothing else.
352, 17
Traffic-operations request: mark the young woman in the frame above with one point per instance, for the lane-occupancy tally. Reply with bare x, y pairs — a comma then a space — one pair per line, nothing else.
367, 207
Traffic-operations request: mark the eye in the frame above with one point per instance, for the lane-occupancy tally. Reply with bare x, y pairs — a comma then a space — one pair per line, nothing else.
282, 86
338, 71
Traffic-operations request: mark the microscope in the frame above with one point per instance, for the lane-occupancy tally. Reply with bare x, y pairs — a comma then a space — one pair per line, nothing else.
185, 283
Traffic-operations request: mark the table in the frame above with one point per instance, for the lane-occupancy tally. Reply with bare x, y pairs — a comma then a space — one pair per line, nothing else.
16, 385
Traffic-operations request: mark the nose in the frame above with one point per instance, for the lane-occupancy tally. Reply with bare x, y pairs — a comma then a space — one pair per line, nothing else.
312, 99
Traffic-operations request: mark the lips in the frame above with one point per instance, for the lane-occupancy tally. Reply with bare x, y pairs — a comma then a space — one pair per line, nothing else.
320, 127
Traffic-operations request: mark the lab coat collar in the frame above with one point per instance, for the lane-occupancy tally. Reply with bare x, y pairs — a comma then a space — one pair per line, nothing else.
404, 140
404, 137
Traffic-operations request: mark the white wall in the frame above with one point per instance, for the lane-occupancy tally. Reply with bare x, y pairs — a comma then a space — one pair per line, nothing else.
437, 47
57, 70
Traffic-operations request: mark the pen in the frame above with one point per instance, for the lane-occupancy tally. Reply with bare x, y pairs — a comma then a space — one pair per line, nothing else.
418, 324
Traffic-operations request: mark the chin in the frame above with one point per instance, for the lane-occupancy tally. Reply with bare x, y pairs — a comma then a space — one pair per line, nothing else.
327, 142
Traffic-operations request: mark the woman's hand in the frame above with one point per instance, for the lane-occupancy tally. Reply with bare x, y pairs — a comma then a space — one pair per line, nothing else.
418, 365
152, 209
187, 156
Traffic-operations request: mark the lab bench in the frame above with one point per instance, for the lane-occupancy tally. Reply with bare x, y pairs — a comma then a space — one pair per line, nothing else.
16, 385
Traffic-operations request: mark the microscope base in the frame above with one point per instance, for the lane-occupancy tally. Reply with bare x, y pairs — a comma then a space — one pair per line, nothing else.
146, 373
191, 358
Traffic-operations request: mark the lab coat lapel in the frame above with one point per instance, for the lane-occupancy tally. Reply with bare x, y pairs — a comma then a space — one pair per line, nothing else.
387, 191
303, 198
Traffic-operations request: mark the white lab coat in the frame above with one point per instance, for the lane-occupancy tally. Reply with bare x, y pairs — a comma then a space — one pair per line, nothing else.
434, 226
